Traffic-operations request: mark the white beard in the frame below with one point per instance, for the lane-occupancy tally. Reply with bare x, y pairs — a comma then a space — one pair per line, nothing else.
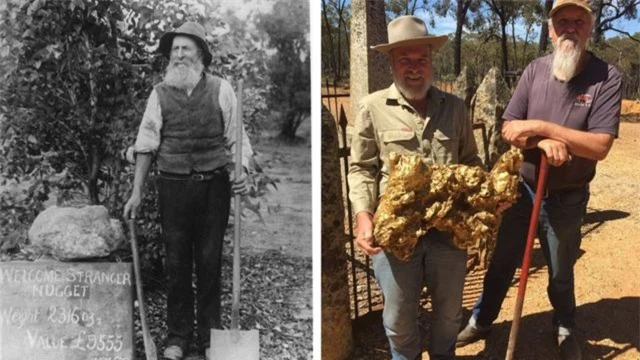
184, 76
566, 58
412, 93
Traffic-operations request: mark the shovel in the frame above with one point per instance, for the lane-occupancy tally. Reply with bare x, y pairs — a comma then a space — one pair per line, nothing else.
234, 344
526, 260
149, 346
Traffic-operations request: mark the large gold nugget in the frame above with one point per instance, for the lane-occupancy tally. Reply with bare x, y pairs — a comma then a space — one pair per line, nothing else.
459, 199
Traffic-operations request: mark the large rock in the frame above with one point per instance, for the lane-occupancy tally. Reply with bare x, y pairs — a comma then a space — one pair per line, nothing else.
464, 86
76, 233
489, 104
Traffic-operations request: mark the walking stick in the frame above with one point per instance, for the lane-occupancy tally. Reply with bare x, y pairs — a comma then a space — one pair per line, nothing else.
526, 260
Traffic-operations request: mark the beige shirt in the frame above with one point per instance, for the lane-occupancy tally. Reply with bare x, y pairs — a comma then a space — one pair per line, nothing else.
387, 123
149, 138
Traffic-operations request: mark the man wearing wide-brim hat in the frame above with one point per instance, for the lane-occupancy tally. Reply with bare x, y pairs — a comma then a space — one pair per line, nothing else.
567, 106
188, 129
411, 117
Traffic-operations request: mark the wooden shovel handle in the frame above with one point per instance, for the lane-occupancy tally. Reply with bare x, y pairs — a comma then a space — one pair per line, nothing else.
235, 306
541, 186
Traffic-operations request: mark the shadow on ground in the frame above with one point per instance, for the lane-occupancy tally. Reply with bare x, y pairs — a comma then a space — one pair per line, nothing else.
596, 218
535, 340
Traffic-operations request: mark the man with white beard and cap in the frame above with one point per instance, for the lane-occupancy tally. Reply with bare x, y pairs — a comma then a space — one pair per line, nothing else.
411, 117
188, 127
566, 104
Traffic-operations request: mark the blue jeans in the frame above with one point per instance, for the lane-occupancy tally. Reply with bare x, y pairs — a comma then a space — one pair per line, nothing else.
194, 216
439, 265
559, 225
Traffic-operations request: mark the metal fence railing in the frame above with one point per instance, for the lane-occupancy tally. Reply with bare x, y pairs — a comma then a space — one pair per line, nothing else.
364, 294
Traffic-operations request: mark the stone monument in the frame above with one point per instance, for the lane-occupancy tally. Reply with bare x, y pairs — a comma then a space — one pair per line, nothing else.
337, 340
488, 105
369, 69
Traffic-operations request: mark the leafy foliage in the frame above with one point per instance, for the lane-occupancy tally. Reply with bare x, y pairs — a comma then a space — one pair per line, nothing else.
336, 15
76, 77
290, 66
485, 36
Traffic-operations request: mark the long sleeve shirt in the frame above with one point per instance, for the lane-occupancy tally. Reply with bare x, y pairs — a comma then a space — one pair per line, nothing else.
387, 123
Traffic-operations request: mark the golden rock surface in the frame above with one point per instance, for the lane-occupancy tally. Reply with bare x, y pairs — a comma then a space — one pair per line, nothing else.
459, 199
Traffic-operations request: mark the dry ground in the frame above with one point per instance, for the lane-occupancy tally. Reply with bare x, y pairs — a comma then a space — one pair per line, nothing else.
607, 272
607, 279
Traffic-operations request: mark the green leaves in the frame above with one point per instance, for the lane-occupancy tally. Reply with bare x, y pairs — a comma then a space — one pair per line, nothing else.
75, 77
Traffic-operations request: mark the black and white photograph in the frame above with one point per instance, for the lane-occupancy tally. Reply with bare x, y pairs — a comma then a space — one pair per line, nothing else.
155, 180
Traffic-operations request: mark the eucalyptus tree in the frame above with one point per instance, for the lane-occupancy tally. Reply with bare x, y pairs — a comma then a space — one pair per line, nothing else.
502, 11
607, 12
461, 10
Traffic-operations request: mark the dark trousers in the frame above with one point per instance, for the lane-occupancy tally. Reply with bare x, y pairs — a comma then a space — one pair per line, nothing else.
559, 233
194, 216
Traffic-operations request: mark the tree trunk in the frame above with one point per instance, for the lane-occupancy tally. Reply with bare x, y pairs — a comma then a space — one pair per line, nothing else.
503, 46
289, 127
94, 192
330, 37
515, 46
339, 50
461, 12
94, 151
524, 48
345, 59
597, 36
544, 29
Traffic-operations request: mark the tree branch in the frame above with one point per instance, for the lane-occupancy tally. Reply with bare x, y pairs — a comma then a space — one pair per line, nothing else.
624, 33
618, 13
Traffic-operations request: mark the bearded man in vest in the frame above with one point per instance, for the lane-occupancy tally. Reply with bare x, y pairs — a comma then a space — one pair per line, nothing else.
188, 128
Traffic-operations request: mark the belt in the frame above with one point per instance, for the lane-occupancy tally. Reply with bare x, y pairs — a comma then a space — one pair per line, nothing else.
194, 176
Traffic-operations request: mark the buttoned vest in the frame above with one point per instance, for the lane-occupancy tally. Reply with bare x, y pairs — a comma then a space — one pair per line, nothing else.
192, 135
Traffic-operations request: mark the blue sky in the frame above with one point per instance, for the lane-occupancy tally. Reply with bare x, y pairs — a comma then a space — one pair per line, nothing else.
448, 25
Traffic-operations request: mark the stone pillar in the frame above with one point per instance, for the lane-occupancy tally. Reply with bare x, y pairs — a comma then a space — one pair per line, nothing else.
337, 339
464, 86
489, 104
369, 69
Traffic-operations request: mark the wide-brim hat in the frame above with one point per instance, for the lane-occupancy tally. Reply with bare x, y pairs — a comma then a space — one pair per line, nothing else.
409, 30
192, 30
559, 4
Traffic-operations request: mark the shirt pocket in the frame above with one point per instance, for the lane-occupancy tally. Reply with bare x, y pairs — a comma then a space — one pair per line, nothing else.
399, 141
445, 148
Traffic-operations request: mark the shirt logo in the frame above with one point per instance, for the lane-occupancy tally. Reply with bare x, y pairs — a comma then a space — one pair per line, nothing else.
583, 100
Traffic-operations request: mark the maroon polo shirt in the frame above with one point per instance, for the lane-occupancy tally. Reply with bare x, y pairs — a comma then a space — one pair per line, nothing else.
588, 102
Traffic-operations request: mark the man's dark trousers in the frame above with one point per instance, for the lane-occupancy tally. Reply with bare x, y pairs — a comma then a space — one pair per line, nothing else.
195, 214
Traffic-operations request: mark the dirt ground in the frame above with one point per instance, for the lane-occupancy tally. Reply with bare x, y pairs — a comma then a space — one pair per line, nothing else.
607, 272
607, 279
630, 106
287, 210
